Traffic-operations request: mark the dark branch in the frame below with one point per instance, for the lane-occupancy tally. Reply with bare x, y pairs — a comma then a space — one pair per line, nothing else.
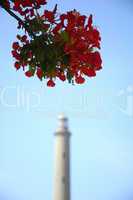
18, 19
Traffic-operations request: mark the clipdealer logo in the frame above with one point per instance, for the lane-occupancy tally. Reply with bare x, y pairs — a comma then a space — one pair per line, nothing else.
126, 101
22, 98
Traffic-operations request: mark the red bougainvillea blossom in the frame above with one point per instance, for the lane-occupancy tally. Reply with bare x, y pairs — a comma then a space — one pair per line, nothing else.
63, 46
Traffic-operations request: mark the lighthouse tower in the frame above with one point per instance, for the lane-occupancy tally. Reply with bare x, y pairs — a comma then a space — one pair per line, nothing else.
62, 161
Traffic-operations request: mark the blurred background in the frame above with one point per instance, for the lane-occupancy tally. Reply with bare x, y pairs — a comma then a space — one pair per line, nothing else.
100, 115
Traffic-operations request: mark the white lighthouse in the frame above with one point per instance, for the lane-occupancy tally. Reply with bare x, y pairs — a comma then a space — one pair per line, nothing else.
62, 161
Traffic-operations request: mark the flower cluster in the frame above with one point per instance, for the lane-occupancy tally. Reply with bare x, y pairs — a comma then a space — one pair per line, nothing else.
54, 46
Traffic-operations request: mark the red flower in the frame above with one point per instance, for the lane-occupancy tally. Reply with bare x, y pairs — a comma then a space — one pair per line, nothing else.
49, 15
81, 20
96, 60
41, 2
63, 17
88, 71
50, 83
93, 37
15, 46
17, 65
32, 13
16, 5
39, 73
61, 76
29, 74
24, 38
90, 22
81, 45
27, 3
71, 15
46, 26
79, 80
57, 28
16, 55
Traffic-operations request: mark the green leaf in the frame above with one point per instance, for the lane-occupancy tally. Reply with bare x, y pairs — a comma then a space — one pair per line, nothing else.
65, 36
69, 77
32, 69
66, 59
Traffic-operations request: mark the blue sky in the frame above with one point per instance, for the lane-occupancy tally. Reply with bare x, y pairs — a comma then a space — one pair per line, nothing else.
100, 116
